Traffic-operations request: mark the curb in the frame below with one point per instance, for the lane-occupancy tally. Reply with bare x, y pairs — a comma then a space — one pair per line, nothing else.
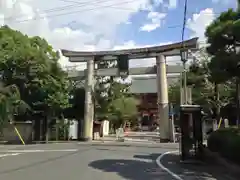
215, 157
158, 161
128, 144
139, 140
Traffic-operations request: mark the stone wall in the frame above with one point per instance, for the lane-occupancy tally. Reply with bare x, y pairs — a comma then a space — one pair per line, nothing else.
24, 128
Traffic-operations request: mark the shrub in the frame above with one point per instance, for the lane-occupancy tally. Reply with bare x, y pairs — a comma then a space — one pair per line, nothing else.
226, 142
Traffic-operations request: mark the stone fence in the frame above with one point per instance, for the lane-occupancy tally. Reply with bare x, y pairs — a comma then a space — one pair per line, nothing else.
10, 135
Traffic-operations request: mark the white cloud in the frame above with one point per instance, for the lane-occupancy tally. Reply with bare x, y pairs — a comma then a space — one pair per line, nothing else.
198, 23
128, 22
173, 4
156, 20
222, 1
147, 62
95, 21
155, 4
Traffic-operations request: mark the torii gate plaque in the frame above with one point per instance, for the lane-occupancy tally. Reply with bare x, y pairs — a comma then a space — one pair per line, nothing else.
122, 57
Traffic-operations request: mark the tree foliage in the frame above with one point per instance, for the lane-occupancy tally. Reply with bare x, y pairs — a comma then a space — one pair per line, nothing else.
224, 40
116, 102
207, 90
31, 65
113, 101
10, 104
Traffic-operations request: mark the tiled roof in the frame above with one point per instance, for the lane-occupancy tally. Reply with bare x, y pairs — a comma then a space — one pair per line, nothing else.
148, 84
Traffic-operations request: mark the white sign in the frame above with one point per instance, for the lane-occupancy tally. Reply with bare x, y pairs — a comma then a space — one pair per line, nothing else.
119, 134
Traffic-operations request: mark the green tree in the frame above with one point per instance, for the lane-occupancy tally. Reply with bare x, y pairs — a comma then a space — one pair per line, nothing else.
125, 109
113, 100
208, 88
174, 93
77, 99
103, 91
224, 40
10, 104
31, 64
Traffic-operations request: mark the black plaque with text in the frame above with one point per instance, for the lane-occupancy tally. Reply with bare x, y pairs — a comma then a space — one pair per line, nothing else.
123, 65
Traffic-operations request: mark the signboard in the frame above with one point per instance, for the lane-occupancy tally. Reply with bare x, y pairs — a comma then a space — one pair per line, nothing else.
109, 58
106, 58
80, 59
123, 65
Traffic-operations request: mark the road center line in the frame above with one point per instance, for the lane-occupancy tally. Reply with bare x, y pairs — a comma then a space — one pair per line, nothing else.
158, 161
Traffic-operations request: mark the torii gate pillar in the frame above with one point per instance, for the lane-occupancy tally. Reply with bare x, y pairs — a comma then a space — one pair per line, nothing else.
89, 105
165, 128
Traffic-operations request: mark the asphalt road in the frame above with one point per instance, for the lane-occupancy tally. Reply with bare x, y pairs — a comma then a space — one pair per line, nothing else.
91, 162
79, 161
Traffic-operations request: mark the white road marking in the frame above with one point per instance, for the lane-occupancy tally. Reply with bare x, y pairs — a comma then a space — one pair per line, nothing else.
158, 161
39, 150
5, 155
138, 140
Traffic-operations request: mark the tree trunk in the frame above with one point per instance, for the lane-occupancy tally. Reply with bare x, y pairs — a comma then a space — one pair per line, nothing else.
57, 130
47, 130
41, 129
48, 120
217, 97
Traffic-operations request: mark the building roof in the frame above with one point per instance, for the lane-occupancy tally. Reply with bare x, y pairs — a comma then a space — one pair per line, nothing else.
142, 85
148, 84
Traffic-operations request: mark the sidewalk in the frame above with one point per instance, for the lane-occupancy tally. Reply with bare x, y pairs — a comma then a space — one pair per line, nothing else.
127, 138
199, 171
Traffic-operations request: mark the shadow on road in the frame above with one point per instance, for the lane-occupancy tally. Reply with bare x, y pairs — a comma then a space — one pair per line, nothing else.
201, 171
131, 169
144, 167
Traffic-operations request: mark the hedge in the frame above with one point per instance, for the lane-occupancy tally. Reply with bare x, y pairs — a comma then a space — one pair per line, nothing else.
226, 142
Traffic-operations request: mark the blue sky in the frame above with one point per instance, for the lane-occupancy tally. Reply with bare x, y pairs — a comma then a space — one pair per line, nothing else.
171, 28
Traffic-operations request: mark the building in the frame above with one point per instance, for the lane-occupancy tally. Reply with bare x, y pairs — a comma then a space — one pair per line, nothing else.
145, 89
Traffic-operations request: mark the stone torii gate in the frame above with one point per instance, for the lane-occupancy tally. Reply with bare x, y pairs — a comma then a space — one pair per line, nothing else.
122, 57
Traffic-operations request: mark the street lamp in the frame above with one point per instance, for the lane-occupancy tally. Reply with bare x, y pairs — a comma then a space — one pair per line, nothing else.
184, 59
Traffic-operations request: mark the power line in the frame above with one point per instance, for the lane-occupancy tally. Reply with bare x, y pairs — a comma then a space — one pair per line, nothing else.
78, 11
67, 7
75, 5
